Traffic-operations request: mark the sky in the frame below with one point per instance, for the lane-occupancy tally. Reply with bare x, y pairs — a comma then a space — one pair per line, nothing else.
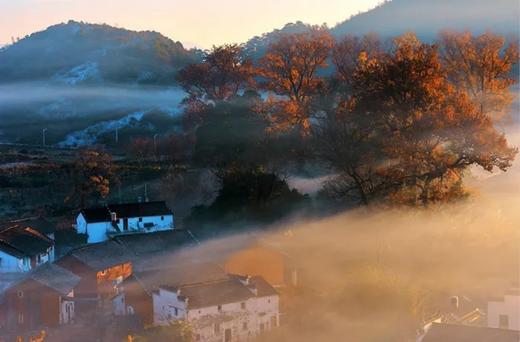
200, 23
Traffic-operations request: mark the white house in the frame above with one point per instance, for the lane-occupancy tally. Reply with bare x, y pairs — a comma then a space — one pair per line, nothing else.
23, 248
505, 313
102, 223
227, 310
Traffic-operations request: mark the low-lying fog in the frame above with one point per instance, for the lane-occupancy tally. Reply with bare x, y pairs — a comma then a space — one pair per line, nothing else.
78, 114
374, 274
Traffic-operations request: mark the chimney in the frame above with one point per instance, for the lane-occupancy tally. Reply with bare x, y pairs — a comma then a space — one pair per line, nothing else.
454, 301
113, 216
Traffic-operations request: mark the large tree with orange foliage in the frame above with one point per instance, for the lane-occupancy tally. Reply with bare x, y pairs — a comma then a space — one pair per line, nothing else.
290, 69
427, 132
223, 73
481, 66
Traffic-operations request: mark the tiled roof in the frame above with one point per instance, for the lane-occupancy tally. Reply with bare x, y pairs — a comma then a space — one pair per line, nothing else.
462, 333
225, 291
55, 277
101, 256
163, 241
144, 209
21, 241
179, 275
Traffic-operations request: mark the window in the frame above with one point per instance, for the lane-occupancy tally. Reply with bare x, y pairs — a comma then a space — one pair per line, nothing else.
20, 318
219, 308
162, 218
217, 328
176, 312
243, 305
244, 325
20, 294
0, 262
140, 219
503, 321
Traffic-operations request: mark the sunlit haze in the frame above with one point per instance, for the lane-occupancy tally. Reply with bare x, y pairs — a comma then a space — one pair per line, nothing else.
200, 23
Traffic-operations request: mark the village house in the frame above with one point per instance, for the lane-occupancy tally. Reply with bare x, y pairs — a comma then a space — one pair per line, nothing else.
101, 223
442, 332
234, 309
101, 267
504, 313
23, 248
42, 298
135, 293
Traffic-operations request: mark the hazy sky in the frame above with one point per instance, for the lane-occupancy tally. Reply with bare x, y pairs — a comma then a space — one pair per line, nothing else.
193, 22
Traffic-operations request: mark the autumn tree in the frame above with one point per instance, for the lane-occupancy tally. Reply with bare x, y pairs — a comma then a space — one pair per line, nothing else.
481, 66
428, 132
92, 173
347, 52
222, 74
290, 69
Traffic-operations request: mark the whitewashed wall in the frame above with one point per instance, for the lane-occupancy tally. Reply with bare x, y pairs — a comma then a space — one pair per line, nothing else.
509, 307
97, 232
67, 310
259, 314
10, 263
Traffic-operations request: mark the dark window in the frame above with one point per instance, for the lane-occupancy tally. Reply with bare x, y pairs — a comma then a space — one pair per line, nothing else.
503, 321
243, 305
176, 312
219, 308
227, 335
140, 219
217, 328
244, 326
20, 294
162, 218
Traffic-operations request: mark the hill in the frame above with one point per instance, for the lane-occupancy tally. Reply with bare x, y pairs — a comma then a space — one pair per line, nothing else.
426, 17
76, 52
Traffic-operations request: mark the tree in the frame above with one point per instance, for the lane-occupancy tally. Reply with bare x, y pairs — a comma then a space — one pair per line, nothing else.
290, 69
223, 73
349, 50
232, 134
92, 173
481, 66
426, 131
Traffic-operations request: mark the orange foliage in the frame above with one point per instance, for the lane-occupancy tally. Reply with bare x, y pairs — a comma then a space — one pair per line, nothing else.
290, 68
481, 66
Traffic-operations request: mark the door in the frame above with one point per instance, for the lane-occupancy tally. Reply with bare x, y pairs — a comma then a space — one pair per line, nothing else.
227, 335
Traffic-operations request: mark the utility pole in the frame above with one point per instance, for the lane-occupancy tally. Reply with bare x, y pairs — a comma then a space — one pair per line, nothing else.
43, 136
155, 146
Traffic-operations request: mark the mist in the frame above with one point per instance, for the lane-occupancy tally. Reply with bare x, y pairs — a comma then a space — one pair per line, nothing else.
374, 274
76, 115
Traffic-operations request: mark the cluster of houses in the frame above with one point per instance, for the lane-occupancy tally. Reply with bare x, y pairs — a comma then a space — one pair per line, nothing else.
131, 269
127, 271
465, 319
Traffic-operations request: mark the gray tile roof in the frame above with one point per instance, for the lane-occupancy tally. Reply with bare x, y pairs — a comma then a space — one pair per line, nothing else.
143, 209
101, 256
224, 291
55, 277
21, 241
